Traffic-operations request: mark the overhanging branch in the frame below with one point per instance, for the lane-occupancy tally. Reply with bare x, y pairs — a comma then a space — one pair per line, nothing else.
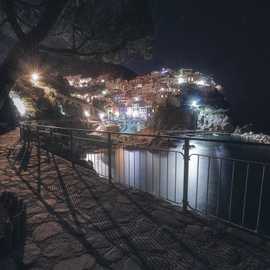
8, 6
74, 52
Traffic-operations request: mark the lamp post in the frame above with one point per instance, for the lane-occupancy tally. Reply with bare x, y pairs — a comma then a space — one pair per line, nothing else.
35, 78
194, 107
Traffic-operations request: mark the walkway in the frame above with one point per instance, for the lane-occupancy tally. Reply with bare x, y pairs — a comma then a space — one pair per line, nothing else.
79, 221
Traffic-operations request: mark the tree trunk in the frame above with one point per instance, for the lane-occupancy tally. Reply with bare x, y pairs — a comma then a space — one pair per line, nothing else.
27, 45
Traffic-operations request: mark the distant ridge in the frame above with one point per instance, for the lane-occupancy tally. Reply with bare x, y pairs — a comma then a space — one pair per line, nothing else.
74, 66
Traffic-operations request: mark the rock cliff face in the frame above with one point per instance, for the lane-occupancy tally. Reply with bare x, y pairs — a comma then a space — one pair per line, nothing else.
205, 118
170, 117
213, 119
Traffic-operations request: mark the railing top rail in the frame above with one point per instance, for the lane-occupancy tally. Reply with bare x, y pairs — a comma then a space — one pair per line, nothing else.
253, 162
182, 137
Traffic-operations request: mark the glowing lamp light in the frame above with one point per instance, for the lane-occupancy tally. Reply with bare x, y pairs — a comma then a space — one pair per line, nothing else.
135, 114
19, 104
194, 104
181, 80
87, 113
102, 116
129, 111
201, 83
35, 77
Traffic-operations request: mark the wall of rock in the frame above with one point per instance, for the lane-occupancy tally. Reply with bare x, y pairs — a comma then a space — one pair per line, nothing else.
212, 119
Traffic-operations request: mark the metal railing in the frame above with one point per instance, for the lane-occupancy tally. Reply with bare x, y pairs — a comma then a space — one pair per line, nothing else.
232, 189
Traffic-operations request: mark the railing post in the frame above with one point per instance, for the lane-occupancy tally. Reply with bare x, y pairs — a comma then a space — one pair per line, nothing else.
38, 156
20, 132
71, 145
110, 157
186, 171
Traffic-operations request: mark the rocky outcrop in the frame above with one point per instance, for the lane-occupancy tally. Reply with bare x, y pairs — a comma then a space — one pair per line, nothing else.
213, 119
253, 137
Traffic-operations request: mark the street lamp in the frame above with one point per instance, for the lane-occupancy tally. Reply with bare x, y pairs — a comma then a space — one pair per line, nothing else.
35, 77
194, 106
87, 113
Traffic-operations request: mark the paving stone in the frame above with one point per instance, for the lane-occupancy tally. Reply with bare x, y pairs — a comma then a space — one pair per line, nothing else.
49, 247
46, 230
245, 236
123, 199
166, 218
62, 209
193, 229
34, 210
63, 246
51, 202
147, 243
131, 264
144, 225
83, 262
39, 218
98, 241
31, 253
88, 204
113, 254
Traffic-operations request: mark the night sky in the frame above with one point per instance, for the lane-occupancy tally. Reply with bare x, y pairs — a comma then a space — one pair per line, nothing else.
228, 39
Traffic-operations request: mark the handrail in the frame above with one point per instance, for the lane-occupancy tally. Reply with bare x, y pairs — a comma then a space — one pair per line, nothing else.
191, 138
175, 170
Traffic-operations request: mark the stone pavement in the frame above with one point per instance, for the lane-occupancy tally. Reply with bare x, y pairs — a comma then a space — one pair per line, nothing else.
78, 221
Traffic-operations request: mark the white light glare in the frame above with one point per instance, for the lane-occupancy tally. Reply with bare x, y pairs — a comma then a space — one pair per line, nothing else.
181, 80
19, 104
101, 115
35, 77
87, 113
202, 83
194, 104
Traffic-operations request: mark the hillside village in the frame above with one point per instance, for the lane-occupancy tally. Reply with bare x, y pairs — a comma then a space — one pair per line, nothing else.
165, 99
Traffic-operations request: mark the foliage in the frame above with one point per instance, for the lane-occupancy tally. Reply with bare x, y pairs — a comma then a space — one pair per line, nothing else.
94, 29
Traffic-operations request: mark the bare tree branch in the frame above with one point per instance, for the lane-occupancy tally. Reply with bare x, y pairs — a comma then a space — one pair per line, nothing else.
8, 6
3, 22
68, 51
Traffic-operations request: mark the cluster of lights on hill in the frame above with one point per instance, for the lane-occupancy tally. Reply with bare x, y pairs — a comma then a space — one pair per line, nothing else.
136, 99
133, 100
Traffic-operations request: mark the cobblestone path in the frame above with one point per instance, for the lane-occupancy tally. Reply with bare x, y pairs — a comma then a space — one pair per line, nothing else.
77, 221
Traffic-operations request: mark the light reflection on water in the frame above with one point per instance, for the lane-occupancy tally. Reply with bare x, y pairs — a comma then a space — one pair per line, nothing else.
210, 178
